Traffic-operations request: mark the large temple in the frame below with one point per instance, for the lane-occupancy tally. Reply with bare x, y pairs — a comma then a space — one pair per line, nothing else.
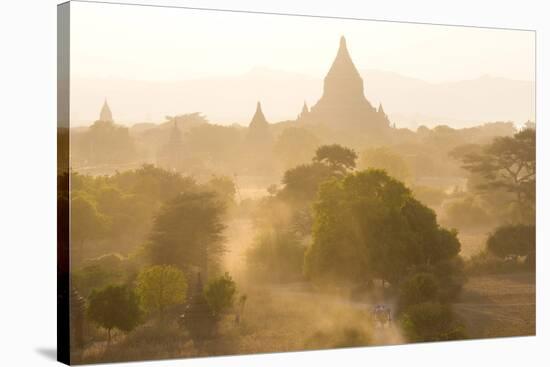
343, 104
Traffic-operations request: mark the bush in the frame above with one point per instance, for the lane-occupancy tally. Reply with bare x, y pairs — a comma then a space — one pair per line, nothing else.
431, 321
487, 263
420, 288
220, 294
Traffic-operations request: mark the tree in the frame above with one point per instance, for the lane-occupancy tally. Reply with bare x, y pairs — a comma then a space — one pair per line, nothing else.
368, 225
509, 164
220, 294
338, 158
115, 306
301, 183
383, 158
188, 231
160, 287
225, 187
87, 223
512, 240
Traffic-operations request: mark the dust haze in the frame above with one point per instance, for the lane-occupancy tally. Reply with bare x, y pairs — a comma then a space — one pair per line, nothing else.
248, 209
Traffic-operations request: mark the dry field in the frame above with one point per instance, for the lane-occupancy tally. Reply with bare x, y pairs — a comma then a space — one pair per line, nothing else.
275, 320
499, 305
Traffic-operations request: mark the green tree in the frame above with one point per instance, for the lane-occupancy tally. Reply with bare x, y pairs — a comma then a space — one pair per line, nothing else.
115, 306
188, 231
338, 158
220, 294
225, 187
512, 240
160, 287
367, 225
508, 164
302, 183
87, 223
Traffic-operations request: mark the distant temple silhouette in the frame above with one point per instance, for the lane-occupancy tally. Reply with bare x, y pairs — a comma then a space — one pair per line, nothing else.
343, 104
258, 129
105, 115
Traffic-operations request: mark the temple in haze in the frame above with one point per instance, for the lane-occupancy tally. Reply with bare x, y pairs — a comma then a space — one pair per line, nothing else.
258, 129
343, 104
105, 115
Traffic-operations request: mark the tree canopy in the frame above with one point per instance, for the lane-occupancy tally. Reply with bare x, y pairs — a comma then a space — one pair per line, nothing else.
508, 163
161, 286
337, 157
188, 231
115, 306
368, 225
512, 240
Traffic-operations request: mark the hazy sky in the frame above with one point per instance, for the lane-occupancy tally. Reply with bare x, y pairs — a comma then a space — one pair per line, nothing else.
146, 43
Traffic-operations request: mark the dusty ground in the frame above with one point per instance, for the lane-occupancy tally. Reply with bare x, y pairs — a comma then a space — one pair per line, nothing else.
277, 319
499, 305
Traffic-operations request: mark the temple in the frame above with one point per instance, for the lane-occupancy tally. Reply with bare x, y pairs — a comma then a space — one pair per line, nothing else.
105, 114
258, 129
343, 104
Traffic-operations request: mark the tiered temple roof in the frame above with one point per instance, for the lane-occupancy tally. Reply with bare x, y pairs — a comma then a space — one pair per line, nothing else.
343, 104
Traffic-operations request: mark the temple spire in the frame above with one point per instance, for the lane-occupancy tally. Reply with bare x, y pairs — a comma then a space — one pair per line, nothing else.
305, 109
105, 114
258, 119
343, 46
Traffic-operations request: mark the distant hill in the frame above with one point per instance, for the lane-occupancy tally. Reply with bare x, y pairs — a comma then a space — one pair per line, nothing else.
409, 102
412, 102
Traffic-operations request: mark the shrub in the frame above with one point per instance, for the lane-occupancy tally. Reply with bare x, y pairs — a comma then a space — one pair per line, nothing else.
420, 288
487, 263
220, 294
431, 321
